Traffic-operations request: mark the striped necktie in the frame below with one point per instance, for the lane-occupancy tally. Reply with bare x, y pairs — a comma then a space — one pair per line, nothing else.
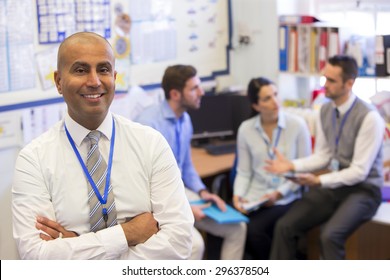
97, 168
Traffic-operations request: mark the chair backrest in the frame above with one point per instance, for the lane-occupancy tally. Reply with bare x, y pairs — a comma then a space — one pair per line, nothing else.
233, 172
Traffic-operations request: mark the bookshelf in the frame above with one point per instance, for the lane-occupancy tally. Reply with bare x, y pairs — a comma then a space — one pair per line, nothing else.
305, 47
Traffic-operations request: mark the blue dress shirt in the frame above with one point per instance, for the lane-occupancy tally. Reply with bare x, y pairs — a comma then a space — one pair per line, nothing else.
178, 132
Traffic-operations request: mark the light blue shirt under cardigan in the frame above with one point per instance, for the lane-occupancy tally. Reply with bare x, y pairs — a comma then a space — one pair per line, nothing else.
252, 181
162, 118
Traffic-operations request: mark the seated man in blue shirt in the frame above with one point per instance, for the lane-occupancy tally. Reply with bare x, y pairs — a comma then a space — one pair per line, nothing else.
182, 92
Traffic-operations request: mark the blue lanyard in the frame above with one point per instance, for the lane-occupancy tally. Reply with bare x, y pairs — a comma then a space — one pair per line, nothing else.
342, 123
103, 200
271, 153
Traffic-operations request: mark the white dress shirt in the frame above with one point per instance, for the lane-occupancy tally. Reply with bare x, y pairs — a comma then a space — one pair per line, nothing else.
49, 181
252, 181
368, 142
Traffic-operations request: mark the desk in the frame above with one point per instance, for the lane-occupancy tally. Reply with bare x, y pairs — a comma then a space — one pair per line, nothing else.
210, 165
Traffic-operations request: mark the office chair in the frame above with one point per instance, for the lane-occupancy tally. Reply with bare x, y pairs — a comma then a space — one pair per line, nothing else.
222, 184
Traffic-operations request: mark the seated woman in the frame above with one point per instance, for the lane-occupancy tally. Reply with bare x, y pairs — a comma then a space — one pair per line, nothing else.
257, 137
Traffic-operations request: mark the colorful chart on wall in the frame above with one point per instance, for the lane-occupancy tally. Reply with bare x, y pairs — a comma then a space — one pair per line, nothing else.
146, 35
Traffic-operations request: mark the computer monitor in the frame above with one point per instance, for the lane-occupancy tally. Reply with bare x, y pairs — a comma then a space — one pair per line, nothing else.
241, 110
220, 115
213, 118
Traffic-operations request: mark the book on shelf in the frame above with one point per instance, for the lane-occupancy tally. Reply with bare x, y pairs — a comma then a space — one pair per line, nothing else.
314, 45
323, 49
334, 43
283, 48
303, 53
293, 49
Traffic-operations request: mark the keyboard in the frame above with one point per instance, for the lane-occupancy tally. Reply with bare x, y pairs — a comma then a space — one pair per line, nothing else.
221, 149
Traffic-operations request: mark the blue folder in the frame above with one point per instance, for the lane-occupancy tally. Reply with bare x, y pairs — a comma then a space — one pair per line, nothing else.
230, 216
283, 48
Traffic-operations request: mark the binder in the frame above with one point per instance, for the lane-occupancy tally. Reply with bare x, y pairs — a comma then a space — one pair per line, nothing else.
303, 48
283, 43
314, 45
293, 50
334, 43
323, 49
382, 55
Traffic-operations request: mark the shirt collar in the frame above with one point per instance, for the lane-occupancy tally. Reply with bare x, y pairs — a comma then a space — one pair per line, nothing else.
168, 113
343, 108
281, 121
78, 132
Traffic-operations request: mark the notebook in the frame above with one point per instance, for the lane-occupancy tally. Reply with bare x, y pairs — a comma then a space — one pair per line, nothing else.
230, 216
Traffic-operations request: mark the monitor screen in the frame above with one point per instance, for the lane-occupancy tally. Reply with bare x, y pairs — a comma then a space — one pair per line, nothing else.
220, 115
241, 110
213, 118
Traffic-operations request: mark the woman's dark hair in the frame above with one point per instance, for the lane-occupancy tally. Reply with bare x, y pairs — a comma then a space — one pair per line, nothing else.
254, 88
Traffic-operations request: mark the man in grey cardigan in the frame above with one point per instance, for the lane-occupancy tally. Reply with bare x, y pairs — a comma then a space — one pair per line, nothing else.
349, 144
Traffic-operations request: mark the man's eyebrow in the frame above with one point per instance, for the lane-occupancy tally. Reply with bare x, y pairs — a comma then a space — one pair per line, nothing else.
105, 63
330, 79
80, 63
196, 86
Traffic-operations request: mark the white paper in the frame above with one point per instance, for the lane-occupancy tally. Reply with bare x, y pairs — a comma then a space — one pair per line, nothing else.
254, 205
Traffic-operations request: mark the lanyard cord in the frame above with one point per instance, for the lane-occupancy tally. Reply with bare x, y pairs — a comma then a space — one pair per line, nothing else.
337, 140
271, 153
103, 200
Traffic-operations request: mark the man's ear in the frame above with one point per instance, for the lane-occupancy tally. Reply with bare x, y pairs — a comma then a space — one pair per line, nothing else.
175, 94
57, 80
255, 107
350, 83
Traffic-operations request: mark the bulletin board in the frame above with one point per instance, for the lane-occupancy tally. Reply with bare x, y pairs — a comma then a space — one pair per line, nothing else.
147, 36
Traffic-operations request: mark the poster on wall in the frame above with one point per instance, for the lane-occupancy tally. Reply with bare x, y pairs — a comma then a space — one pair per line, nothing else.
17, 70
121, 45
47, 64
57, 19
154, 33
178, 31
10, 132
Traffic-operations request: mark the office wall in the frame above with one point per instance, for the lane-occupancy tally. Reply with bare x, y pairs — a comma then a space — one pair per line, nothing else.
258, 18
